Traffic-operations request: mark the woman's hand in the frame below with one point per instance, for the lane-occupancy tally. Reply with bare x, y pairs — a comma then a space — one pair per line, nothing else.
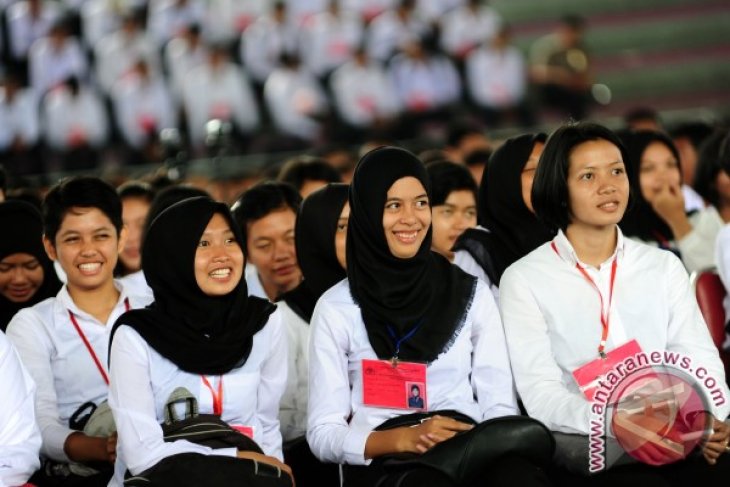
717, 443
431, 432
259, 457
669, 205
82, 448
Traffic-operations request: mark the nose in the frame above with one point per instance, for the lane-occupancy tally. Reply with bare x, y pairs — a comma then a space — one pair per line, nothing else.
220, 253
408, 215
18, 275
283, 250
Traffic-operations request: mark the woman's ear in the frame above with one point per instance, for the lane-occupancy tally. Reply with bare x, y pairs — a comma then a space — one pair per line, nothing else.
50, 248
122, 239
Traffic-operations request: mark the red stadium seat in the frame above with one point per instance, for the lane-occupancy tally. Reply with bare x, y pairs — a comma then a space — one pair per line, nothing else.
710, 293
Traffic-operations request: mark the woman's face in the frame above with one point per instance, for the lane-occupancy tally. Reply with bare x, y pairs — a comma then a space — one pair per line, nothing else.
450, 219
722, 184
406, 217
528, 174
218, 258
341, 235
658, 169
598, 187
134, 213
20, 277
87, 247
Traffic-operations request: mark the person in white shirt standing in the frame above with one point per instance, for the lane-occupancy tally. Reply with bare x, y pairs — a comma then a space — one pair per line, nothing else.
55, 58
19, 127
405, 307
63, 341
20, 440
591, 301
206, 334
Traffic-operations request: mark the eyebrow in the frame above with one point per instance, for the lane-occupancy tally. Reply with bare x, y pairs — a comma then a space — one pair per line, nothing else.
594, 167
394, 198
72, 231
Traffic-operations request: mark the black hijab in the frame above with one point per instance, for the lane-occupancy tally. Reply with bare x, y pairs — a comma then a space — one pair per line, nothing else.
514, 231
22, 226
640, 219
395, 294
315, 242
201, 334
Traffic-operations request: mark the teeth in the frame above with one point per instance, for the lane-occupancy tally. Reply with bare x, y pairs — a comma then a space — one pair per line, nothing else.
612, 204
91, 267
406, 235
221, 273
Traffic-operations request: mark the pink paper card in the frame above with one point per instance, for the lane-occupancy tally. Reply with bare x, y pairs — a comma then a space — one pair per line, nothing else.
588, 375
399, 386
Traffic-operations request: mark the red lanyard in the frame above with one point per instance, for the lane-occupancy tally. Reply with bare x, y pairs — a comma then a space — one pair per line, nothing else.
604, 316
88, 345
217, 398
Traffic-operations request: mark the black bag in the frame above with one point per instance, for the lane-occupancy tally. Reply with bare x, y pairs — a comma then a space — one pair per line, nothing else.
195, 470
467, 454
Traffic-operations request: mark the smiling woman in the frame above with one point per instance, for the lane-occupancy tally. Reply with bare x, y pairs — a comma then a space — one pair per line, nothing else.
63, 341
26, 272
205, 334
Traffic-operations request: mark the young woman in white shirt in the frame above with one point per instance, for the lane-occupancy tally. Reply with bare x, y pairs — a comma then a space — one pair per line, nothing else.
658, 214
203, 333
407, 307
588, 293
505, 210
320, 233
63, 341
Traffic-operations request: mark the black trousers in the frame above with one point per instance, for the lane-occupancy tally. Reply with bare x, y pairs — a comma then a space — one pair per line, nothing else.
510, 471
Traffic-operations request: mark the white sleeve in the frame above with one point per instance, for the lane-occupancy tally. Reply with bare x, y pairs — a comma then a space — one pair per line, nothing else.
140, 440
20, 440
697, 247
293, 407
688, 333
271, 388
491, 376
25, 331
330, 436
537, 376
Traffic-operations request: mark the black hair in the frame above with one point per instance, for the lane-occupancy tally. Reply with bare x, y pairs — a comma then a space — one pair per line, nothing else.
573, 21
79, 192
415, 387
136, 189
457, 131
301, 169
641, 113
446, 177
696, 132
477, 156
260, 200
3, 180
709, 164
550, 187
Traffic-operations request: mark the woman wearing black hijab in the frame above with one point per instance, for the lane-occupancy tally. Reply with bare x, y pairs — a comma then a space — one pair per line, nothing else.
203, 333
320, 232
505, 209
657, 213
404, 317
27, 276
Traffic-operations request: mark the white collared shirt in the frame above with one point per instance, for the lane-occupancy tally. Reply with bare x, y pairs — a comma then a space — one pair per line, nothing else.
464, 260
293, 407
60, 364
472, 376
551, 316
142, 381
20, 439
722, 257
496, 78
253, 282
363, 94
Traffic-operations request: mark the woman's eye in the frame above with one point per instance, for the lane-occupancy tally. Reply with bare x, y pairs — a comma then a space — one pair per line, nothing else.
203, 243
392, 206
617, 171
422, 204
341, 227
587, 176
471, 213
32, 265
230, 241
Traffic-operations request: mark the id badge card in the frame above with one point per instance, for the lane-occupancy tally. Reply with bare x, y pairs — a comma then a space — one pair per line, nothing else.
243, 429
588, 375
399, 385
